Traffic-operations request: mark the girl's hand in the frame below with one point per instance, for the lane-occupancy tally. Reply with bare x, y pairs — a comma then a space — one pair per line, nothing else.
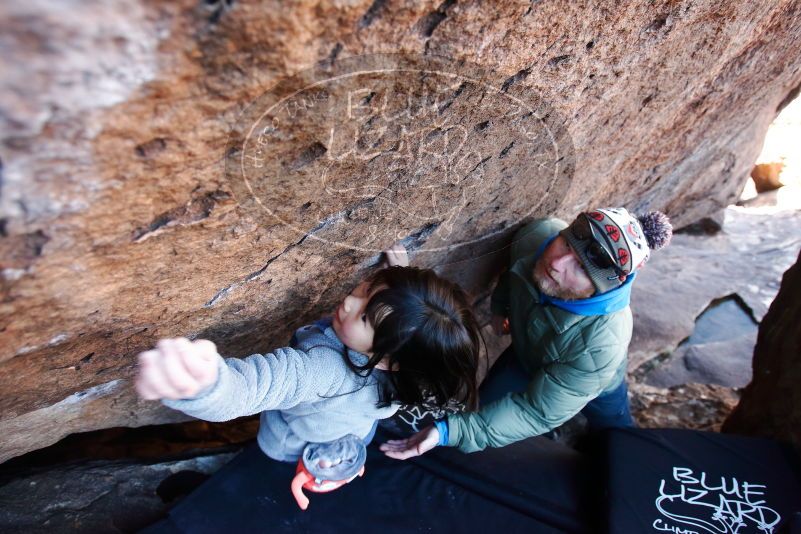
397, 255
420, 443
176, 369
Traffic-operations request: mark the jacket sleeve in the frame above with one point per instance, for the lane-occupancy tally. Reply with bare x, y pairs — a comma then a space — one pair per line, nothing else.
525, 243
279, 380
499, 302
555, 394
529, 238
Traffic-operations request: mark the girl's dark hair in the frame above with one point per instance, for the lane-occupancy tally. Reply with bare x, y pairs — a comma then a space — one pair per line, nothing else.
425, 328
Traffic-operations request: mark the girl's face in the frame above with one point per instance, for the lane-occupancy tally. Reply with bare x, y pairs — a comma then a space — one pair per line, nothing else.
350, 320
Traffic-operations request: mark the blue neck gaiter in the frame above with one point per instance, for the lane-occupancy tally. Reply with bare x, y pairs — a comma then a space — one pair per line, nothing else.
611, 301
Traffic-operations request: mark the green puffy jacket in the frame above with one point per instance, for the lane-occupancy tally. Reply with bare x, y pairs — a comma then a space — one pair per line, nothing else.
571, 358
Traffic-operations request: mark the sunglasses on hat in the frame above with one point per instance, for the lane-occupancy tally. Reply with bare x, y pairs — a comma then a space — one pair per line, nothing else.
582, 229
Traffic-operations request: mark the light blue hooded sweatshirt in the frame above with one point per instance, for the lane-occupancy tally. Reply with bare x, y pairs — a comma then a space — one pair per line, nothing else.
306, 393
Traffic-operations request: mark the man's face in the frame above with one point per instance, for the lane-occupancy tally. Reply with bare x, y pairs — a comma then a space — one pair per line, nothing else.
559, 273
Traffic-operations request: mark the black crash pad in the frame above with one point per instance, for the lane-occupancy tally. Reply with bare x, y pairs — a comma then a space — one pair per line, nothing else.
532, 486
684, 481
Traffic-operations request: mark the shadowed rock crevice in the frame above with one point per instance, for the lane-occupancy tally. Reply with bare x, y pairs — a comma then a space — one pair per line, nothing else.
151, 148
21, 250
197, 209
249, 278
217, 8
309, 155
515, 78
374, 11
327, 222
558, 60
506, 150
429, 23
459, 90
419, 238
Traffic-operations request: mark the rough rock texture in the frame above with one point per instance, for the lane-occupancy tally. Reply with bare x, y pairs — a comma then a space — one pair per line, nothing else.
724, 363
771, 403
100, 496
719, 351
694, 406
695, 306
746, 259
120, 224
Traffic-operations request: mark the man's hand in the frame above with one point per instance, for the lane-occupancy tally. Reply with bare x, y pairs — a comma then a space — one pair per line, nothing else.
500, 325
176, 369
397, 255
420, 443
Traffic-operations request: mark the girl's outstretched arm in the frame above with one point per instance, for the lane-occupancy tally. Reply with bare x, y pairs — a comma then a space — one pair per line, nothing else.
193, 378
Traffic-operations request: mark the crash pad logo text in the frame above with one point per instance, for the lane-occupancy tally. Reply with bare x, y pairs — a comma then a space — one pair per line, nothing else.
696, 502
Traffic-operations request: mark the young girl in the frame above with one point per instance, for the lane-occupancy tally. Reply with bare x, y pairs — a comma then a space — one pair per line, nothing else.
402, 334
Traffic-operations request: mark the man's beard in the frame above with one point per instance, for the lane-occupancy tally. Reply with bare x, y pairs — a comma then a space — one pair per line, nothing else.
550, 288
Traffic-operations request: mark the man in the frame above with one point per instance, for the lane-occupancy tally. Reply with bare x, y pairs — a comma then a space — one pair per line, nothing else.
565, 299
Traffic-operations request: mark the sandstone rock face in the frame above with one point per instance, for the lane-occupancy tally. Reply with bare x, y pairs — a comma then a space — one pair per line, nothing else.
771, 403
150, 188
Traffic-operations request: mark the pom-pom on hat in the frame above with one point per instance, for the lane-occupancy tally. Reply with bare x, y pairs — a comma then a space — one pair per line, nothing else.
611, 243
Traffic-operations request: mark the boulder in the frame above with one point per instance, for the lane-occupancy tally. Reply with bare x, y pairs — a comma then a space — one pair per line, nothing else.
767, 176
771, 403
723, 363
100, 496
153, 185
744, 263
696, 306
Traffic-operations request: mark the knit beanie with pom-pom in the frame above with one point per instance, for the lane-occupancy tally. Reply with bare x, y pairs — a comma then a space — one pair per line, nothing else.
611, 243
